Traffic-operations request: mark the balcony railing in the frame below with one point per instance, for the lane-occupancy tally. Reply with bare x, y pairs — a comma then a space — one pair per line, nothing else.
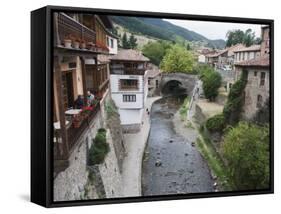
128, 87
127, 71
74, 132
67, 26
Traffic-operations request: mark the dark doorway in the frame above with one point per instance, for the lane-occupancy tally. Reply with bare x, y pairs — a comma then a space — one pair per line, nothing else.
67, 89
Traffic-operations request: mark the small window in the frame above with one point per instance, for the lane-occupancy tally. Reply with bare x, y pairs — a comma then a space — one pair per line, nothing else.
262, 80
111, 43
259, 101
255, 73
157, 83
129, 98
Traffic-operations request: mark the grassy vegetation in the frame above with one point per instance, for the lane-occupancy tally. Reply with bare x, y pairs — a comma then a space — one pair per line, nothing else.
184, 108
214, 160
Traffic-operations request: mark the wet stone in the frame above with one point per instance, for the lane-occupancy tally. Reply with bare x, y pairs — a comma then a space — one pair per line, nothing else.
158, 163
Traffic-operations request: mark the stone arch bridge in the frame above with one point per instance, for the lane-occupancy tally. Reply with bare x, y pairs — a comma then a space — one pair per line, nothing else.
177, 83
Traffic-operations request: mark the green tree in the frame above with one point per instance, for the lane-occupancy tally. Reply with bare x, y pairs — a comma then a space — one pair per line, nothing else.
125, 42
211, 83
188, 47
238, 36
155, 51
249, 38
133, 42
177, 59
246, 150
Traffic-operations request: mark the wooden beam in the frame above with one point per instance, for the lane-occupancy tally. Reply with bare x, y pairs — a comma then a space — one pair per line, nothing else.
56, 30
84, 79
64, 144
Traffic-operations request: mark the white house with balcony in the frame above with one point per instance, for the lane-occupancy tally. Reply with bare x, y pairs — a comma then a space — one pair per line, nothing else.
129, 87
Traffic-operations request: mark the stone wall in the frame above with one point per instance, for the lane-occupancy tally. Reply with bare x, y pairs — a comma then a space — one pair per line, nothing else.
253, 89
70, 183
74, 183
187, 81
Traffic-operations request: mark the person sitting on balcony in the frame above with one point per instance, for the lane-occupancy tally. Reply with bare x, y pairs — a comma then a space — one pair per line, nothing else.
79, 103
90, 98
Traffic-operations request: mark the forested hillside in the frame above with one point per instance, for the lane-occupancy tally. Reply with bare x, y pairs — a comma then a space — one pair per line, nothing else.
160, 29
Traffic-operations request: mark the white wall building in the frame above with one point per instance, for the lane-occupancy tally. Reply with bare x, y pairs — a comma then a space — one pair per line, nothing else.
201, 58
112, 44
129, 87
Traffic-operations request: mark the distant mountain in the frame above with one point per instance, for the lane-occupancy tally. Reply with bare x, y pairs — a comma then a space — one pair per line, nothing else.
161, 29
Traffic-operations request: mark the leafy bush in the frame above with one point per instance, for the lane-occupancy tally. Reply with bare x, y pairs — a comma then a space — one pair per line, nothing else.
246, 149
233, 107
216, 123
99, 148
211, 83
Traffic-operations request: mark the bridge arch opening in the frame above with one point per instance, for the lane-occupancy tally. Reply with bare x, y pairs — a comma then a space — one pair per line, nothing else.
173, 87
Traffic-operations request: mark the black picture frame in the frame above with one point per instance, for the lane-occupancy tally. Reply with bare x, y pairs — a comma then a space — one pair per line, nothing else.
41, 105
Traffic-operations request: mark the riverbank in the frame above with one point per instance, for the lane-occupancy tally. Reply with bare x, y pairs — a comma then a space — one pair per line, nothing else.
132, 163
204, 144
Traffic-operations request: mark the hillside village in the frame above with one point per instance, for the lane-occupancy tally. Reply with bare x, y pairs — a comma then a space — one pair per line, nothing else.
106, 97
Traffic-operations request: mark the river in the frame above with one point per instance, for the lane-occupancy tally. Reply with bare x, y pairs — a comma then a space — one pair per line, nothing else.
172, 164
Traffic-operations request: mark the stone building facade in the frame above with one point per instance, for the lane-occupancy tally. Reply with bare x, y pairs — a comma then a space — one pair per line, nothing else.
257, 71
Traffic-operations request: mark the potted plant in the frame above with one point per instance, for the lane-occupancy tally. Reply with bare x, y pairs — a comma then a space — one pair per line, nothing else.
77, 121
86, 112
82, 44
76, 43
95, 102
90, 45
67, 42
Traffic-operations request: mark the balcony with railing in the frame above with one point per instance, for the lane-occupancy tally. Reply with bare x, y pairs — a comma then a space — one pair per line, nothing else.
74, 130
71, 34
127, 70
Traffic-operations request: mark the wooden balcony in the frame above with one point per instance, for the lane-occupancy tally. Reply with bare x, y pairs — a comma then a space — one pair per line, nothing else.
73, 135
127, 71
82, 38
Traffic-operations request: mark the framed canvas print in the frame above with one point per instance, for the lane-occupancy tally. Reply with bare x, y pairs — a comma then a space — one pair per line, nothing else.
134, 106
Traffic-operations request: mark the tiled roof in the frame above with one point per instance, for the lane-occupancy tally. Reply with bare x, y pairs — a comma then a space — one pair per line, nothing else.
129, 55
234, 48
216, 54
250, 48
262, 61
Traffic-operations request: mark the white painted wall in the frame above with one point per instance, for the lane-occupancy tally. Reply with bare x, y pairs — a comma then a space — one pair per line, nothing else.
130, 112
201, 58
130, 116
112, 50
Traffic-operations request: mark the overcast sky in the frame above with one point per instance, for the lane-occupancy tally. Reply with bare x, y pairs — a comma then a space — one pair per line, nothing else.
214, 30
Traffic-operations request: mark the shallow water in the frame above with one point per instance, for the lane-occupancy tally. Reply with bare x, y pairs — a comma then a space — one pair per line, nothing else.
180, 167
